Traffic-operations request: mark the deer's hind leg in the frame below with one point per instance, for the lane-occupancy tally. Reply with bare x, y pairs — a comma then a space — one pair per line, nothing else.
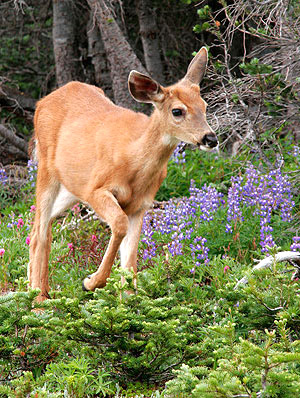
41, 236
51, 199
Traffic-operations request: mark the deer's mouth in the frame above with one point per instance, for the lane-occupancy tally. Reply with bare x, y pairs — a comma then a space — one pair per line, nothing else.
208, 148
209, 143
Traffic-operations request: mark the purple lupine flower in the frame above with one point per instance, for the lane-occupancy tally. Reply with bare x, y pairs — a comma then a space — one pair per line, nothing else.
32, 171
179, 154
207, 199
3, 176
175, 246
148, 232
265, 194
296, 152
200, 251
295, 246
234, 202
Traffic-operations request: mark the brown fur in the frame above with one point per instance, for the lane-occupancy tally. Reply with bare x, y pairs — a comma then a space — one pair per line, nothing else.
110, 157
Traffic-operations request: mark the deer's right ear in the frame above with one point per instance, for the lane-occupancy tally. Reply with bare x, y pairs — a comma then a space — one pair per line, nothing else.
197, 67
143, 88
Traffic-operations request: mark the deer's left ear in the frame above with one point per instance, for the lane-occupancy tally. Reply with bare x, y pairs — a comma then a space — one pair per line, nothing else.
197, 67
143, 88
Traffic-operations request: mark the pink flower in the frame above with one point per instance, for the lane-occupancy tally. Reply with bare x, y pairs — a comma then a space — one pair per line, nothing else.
226, 268
94, 238
20, 223
28, 240
76, 208
2, 251
32, 209
70, 246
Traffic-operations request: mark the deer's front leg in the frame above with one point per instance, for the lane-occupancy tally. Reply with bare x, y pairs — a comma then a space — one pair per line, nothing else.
129, 245
107, 207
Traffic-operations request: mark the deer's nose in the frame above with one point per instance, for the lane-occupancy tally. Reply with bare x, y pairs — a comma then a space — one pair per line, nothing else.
210, 140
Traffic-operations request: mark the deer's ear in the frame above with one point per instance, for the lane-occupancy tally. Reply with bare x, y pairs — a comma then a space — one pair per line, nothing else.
143, 88
197, 67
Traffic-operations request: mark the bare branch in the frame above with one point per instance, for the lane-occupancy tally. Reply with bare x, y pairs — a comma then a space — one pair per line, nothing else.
268, 261
16, 99
16, 141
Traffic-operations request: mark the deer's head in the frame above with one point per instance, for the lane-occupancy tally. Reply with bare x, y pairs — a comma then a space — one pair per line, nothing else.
181, 109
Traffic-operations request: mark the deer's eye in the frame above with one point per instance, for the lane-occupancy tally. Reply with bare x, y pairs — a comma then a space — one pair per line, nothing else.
177, 112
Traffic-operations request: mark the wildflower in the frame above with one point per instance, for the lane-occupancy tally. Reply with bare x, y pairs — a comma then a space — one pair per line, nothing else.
234, 202
175, 246
76, 208
226, 268
32, 209
28, 240
296, 151
200, 251
94, 238
179, 154
3, 176
296, 244
2, 251
150, 251
228, 228
20, 223
70, 246
192, 270
32, 171
265, 194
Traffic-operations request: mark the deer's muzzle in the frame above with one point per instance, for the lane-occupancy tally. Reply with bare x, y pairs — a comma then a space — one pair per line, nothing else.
210, 140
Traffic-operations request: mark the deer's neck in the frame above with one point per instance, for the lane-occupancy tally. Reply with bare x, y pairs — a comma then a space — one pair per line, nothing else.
157, 145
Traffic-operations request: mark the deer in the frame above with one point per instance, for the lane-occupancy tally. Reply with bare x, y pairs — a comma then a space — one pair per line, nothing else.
110, 158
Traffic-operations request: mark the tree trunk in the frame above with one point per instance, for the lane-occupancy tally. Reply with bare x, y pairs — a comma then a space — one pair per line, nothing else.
119, 53
65, 53
149, 35
96, 52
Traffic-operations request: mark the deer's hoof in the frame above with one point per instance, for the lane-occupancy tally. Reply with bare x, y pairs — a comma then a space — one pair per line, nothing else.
85, 284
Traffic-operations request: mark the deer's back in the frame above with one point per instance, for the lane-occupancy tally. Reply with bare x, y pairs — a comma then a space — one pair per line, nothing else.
84, 138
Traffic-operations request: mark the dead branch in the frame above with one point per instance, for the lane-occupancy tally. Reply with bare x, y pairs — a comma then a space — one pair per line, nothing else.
292, 257
240, 102
16, 141
16, 99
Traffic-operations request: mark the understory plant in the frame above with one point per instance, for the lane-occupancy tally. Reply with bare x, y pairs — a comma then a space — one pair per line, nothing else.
186, 326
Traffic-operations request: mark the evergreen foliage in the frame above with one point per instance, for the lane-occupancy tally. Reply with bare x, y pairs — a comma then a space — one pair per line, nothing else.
185, 333
222, 342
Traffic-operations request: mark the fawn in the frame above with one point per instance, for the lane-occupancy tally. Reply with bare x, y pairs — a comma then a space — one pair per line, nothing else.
111, 158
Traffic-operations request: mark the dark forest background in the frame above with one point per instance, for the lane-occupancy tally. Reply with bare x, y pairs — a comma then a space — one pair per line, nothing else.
252, 85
